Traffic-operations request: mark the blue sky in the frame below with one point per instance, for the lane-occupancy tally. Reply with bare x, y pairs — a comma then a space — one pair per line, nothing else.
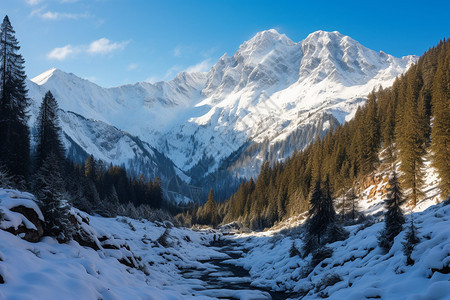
113, 42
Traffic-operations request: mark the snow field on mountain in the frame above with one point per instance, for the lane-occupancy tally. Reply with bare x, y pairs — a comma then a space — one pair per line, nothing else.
267, 89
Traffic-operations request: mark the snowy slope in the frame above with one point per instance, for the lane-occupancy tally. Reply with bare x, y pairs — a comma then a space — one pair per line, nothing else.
111, 145
49, 270
182, 266
358, 268
268, 89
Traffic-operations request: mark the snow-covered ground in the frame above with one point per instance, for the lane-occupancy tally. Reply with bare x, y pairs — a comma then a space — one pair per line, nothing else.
135, 261
358, 268
50, 270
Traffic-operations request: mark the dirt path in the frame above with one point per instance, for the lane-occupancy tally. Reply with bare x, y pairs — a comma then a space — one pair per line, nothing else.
225, 280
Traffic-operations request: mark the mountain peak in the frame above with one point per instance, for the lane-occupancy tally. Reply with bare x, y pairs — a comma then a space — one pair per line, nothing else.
269, 33
324, 37
266, 38
44, 77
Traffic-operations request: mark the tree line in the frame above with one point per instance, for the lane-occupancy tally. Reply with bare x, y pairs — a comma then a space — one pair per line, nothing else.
408, 121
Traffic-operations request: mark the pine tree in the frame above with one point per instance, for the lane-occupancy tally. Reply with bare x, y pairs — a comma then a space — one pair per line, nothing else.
370, 134
48, 187
410, 241
441, 125
393, 219
5, 179
90, 168
48, 131
321, 213
411, 138
14, 131
354, 205
210, 210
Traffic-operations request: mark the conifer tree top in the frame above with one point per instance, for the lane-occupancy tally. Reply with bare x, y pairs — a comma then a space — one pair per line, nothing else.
6, 22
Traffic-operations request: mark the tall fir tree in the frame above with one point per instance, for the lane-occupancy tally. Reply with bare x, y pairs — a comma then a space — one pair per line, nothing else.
440, 133
411, 137
14, 131
393, 219
321, 212
48, 131
48, 187
210, 210
90, 168
370, 136
411, 239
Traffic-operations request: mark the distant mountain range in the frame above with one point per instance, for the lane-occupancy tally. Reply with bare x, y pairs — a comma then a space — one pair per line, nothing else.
213, 129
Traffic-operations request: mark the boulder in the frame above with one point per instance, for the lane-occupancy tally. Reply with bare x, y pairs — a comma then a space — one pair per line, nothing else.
25, 232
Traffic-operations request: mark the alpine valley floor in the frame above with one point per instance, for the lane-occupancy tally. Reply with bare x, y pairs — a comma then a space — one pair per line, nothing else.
138, 259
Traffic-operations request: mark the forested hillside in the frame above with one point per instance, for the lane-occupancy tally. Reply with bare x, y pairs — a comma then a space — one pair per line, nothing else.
407, 121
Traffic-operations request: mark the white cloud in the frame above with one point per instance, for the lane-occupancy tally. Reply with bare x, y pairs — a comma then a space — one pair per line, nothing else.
105, 46
33, 2
61, 53
102, 46
36, 11
203, 66
132, 67
50, 15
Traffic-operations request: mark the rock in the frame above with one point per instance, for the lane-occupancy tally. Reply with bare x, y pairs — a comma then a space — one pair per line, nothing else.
85, 239
28, 234
85, 235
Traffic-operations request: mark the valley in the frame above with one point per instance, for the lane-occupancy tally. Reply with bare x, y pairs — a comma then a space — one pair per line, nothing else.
198, 152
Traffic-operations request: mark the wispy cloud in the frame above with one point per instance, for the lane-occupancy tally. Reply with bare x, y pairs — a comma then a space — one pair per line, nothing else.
132, 67
54, 16
36, 11
33, 2
152, 79
101, 46
177, 51
49, 15
172, 72
209, 52
203, 66
105, 46
61, 53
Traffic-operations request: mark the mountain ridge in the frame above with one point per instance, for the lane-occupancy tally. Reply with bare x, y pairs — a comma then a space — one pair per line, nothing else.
268, 89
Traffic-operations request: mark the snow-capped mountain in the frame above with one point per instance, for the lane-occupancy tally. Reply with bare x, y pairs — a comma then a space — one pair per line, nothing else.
107, 143
272, 96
